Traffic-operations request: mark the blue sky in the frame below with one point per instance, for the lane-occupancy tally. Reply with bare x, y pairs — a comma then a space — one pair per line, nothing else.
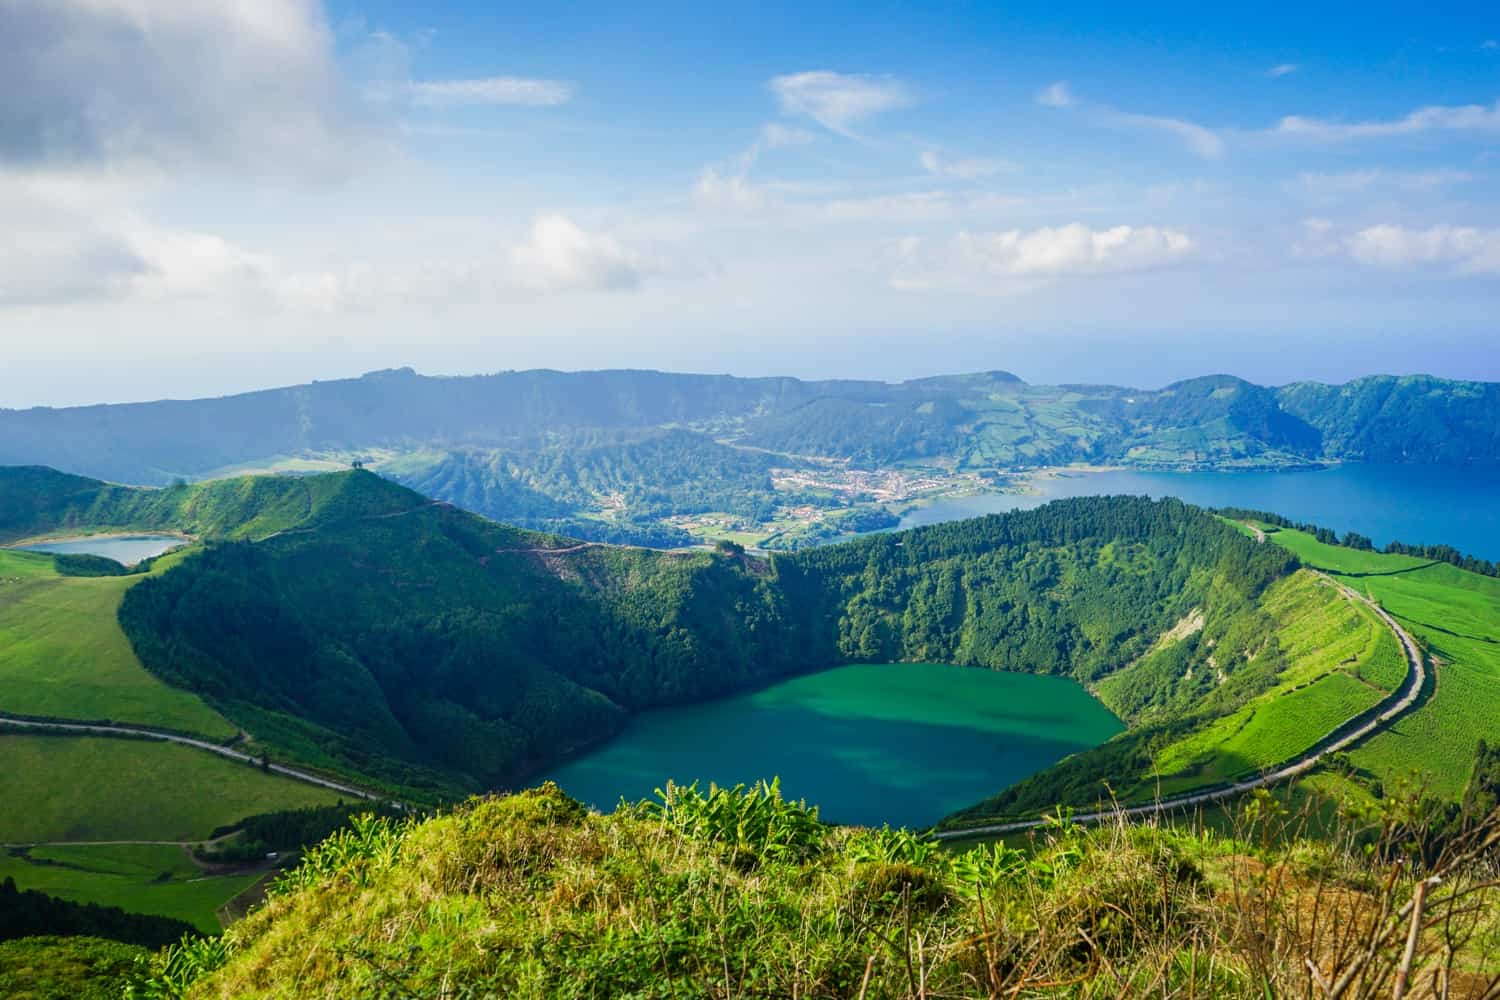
201, 197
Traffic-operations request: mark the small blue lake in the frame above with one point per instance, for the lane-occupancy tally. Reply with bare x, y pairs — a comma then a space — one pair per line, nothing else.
124, 549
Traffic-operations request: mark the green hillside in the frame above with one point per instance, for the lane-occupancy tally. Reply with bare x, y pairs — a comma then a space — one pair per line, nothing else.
1455, 614
462, 654
37, 501
82, 788
741, 894
157, 879
64, 656
419, 647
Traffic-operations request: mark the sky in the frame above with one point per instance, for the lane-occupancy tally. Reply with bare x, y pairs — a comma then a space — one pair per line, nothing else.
200, 197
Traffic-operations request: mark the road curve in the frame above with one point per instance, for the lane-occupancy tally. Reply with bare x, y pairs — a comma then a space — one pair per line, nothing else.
1404, 698
99, 729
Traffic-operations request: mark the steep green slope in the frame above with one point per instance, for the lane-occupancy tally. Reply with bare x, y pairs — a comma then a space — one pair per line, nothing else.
1455, 614
438, 650
741, 894
37, 501
1414, 418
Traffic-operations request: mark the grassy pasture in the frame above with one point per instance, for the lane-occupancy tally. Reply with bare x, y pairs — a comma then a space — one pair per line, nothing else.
65, 968
62, 788
1456, 615
141, 878
1340, 661
63, 654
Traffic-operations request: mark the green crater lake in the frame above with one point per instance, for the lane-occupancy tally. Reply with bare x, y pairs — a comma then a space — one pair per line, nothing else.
901, 743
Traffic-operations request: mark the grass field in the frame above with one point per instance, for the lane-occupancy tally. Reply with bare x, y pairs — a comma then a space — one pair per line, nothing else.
94, 788
65, 968
63, 654
141, 878
1340, 661
1456, 615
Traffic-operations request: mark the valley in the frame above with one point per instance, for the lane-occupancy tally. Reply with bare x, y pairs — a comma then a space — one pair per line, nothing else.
733, 613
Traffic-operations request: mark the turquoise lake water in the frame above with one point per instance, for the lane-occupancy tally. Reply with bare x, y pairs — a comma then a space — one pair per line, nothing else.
1413, 503
904, 744
125, 549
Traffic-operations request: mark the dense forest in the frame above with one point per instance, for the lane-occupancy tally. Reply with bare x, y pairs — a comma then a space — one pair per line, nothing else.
459, 653
28, 913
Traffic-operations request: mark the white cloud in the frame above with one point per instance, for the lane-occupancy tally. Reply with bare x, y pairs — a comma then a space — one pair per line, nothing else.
173, 83
1490, 43
492, 90
1281, 69
1465, 250
1353, 182
1456, 118
774, 135
839, 101
1058, 95
1469, 249
1014, 260
72, 239
559, 255
727, 191
914, 206
963, 168
1202, 141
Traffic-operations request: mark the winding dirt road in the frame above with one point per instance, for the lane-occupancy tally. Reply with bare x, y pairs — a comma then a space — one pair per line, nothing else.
1341, 738
100, 729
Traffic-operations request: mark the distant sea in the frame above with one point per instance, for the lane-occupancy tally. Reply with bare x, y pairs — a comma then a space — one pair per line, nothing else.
1420, 504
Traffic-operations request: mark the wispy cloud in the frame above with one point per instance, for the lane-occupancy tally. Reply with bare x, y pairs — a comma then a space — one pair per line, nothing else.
1281, 69
514, 90
1014, 260
1057, 95
962, 168
774, 135
1352, 182
1202, 141
1434, 118
839, 101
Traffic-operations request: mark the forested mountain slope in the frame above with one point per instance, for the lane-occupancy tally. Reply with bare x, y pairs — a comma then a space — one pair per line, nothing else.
438, 650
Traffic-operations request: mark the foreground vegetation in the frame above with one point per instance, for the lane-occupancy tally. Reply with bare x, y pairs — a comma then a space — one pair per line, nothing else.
740, 893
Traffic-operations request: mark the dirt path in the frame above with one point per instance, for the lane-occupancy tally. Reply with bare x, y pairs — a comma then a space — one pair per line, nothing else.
1340, 739
97, 729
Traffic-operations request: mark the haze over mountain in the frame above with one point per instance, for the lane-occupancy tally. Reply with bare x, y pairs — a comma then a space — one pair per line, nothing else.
985, 420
